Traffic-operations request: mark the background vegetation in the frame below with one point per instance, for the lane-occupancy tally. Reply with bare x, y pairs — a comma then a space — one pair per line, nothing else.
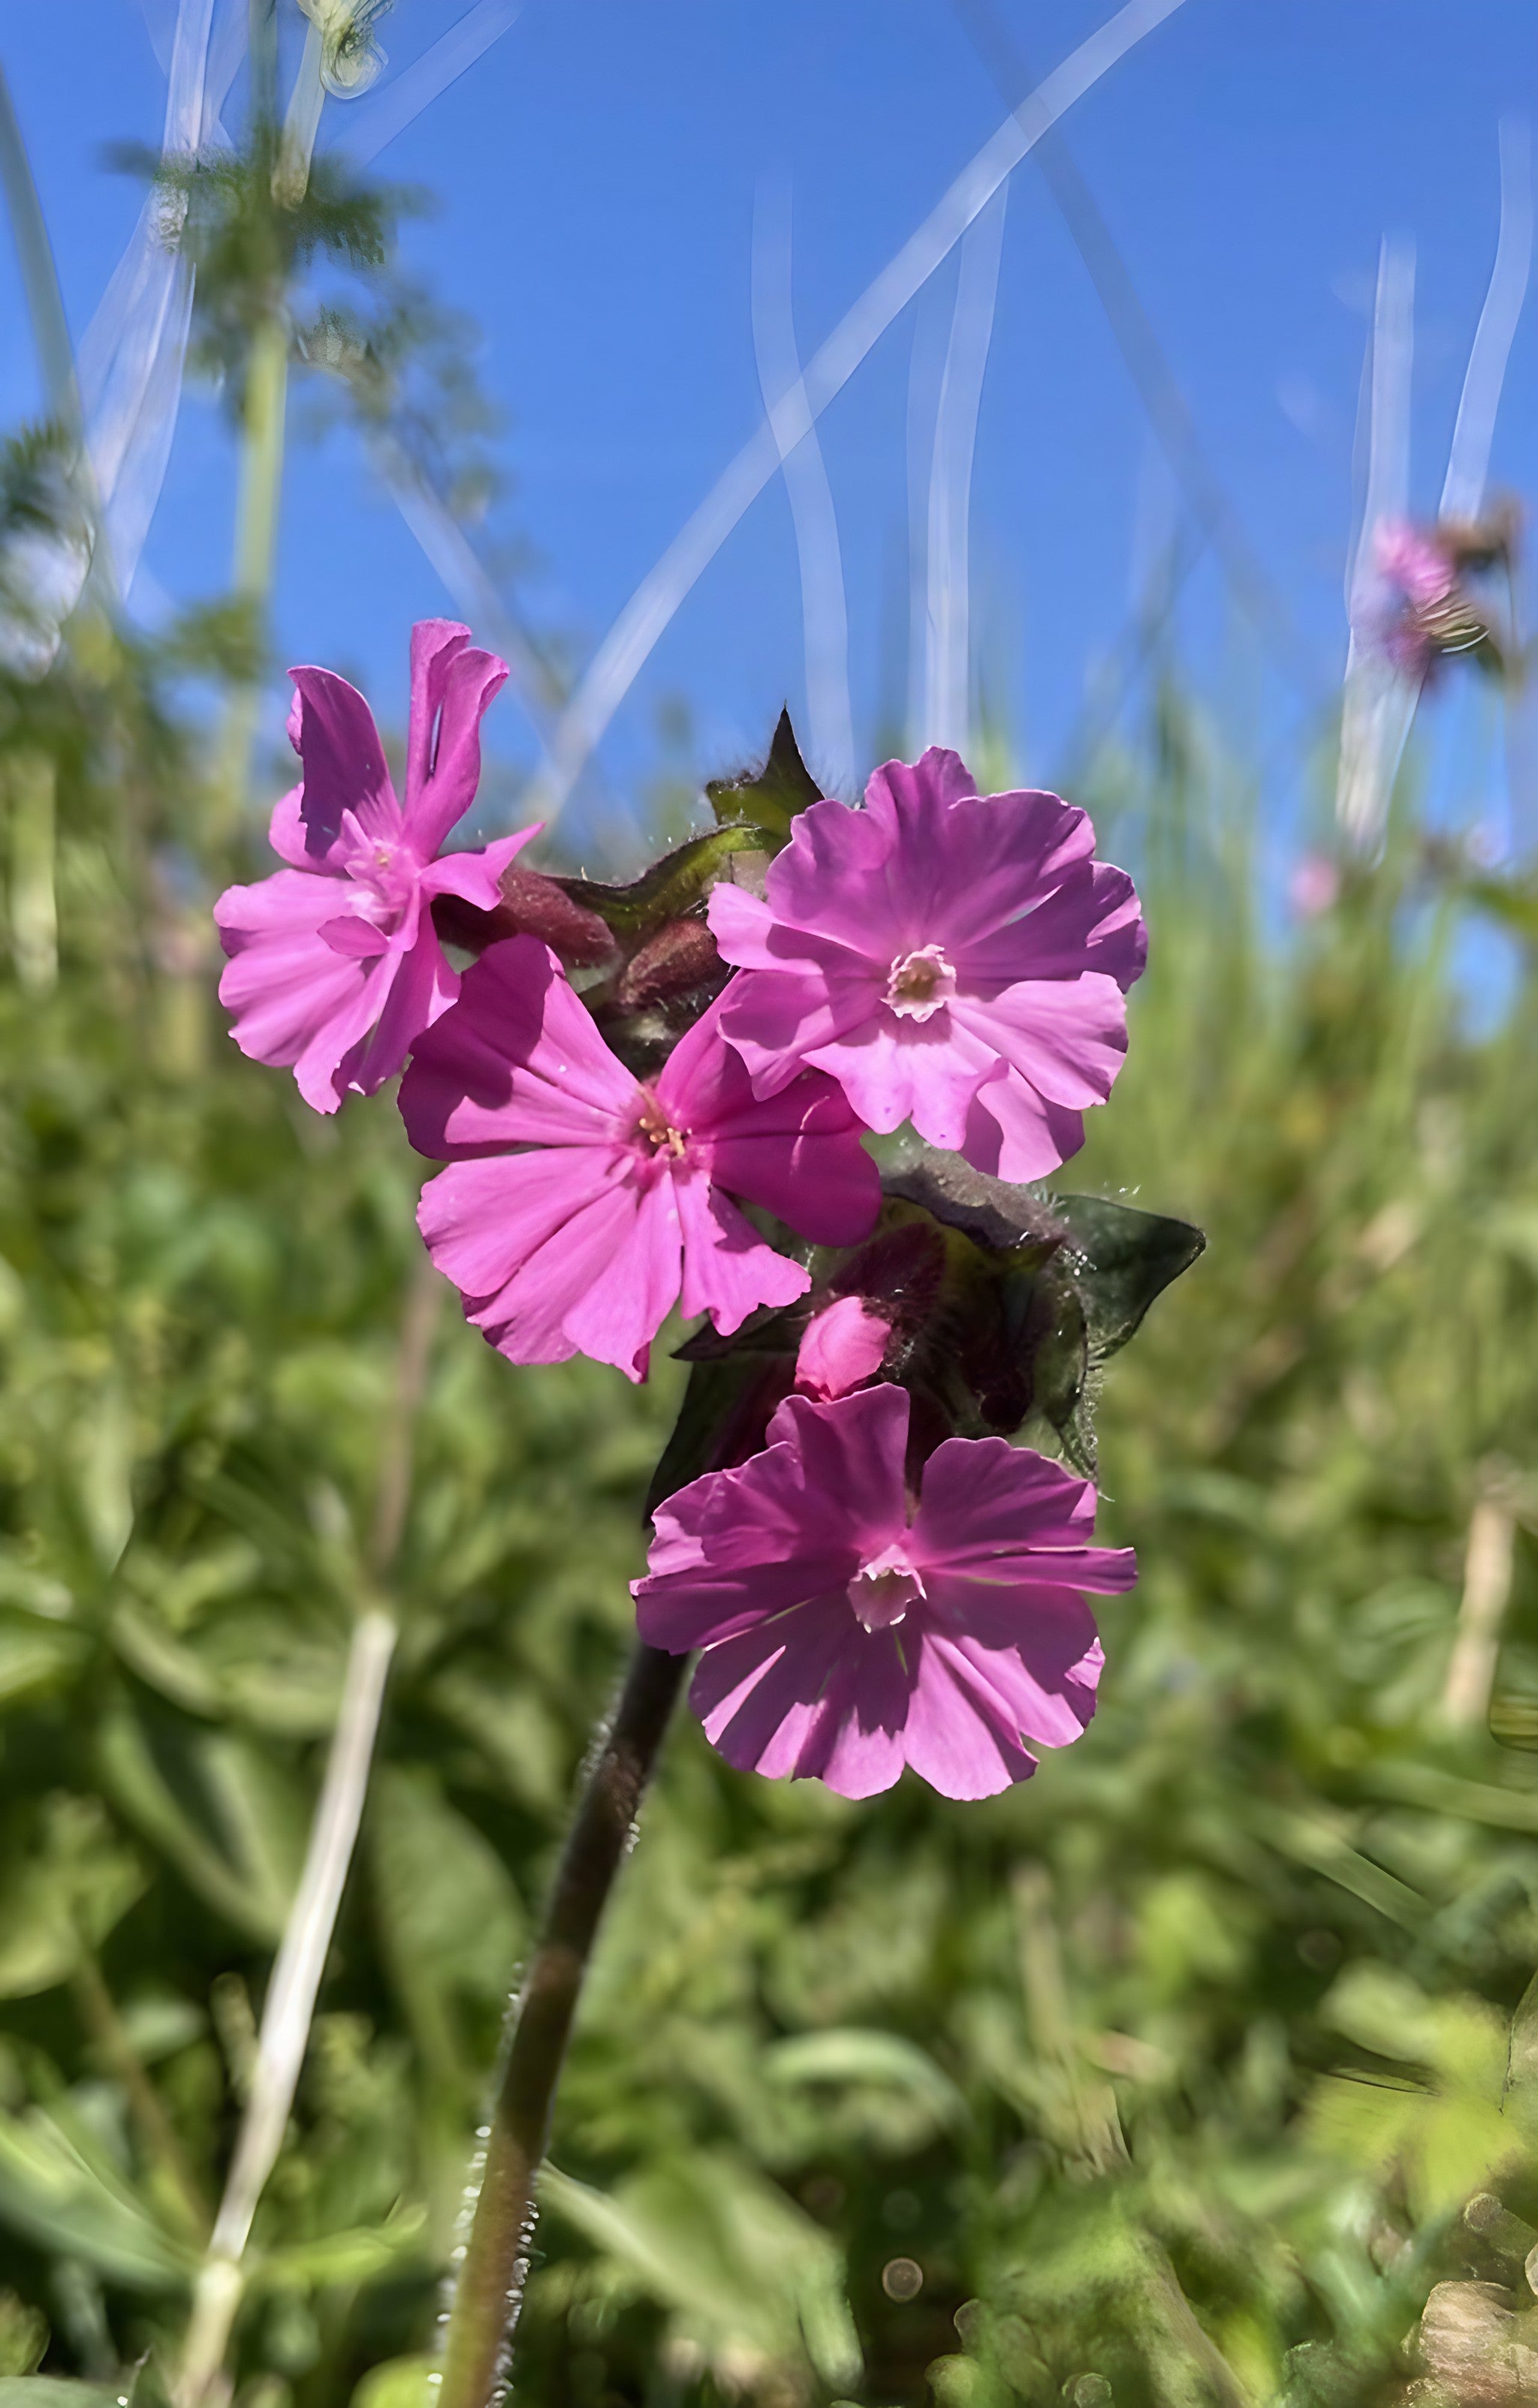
1179, 2075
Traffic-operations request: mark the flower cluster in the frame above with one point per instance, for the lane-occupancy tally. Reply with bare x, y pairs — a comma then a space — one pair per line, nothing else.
658, 1097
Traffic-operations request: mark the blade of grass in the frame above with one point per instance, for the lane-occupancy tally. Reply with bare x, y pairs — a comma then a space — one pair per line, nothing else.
1469, 459
641, 625
825, 616
947, 684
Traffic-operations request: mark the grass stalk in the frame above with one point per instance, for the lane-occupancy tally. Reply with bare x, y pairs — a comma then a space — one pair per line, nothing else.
255, 540
290, 2009
34, 901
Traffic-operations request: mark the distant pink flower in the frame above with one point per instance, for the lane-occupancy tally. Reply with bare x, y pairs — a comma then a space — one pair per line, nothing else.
334, 965
1406, 557
844, 1640
841, 1347
1412, 578
956, 960
1314, 885
578, 1202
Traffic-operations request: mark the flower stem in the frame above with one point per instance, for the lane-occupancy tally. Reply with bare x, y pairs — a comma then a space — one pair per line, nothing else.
489, 2292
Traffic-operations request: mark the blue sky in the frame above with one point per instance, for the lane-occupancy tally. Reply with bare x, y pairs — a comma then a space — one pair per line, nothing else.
596, 174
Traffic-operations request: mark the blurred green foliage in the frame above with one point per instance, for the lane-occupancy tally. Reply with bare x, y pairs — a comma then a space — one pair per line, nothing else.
1177, 2076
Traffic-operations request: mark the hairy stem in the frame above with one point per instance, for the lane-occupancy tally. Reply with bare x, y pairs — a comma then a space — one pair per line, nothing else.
490, 2288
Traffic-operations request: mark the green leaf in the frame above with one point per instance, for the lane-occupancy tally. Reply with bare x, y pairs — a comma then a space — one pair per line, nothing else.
767, 799
453, 1920
667, 889
1038, 1293
230, 1817
359, 2255
1126, 1259
739, 2265
64, 1881
37, 1659
57, 2187
52, 2391
403, 2383
721, 1419
849, 2057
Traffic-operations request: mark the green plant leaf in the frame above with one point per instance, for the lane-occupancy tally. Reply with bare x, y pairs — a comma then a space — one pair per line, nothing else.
850, 2056
66, 1880
767, 799
739, 2265
52, 2391
403, 2383
57, 2187
725, 1408
1126, 1258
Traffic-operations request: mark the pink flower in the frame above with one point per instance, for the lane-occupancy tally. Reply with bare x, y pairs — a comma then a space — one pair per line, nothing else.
956, 960
1414, 562
841, 1347
1314, 885
578, 1202
334, 965
844, 1640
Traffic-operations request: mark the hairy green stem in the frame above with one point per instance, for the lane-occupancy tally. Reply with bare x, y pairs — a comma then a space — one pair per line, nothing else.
489, 2292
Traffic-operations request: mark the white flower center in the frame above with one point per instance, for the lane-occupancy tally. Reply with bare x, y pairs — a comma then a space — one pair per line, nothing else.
919, 982
883, 1590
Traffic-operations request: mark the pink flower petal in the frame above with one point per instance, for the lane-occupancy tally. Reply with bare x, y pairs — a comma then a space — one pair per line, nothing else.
517, 1062
749, 934
284, 986
1067, 1037
798, 1154
436, 645
925, 1071
344, 762
632, 1285
1014, 1133
318, 1072
352, 934
778, 1022
735, 1547
1037, 1679
455, 686
959, 1736
728, 1270
475, 876
422, 989
287, 833
841, 1347
524, 1238
986, 1503
760, 1695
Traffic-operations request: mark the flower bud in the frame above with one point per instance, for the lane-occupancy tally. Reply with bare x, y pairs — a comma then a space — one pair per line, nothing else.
680, 958
532, 905
841, 1347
